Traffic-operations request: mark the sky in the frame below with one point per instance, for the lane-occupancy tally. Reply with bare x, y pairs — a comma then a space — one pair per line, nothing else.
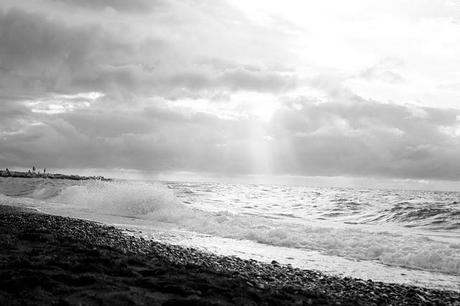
349, 89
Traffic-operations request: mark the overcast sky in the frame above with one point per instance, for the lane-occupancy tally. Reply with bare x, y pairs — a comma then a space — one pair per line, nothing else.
359, 88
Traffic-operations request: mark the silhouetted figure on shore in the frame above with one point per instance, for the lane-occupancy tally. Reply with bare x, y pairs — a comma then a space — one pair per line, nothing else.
8, 172
33, 168
44, 170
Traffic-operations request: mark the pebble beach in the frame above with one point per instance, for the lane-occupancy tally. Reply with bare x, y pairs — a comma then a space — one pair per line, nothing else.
53, 260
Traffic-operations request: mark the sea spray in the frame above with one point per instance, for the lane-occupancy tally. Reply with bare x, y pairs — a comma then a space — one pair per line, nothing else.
123, 198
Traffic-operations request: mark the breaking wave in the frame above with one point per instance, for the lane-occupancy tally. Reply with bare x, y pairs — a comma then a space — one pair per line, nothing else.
157, 203
120, 198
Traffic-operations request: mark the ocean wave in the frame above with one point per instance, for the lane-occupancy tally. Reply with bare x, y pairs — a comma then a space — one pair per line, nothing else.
157, 203
438, 215
122, 198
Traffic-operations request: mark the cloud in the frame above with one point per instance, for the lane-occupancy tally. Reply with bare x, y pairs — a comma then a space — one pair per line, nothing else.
12, 116
206, 78
135, 6
370, 138
360, 138
385, 70
171, 75
42, 55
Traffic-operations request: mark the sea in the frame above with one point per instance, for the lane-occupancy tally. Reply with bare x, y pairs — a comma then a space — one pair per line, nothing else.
397, 236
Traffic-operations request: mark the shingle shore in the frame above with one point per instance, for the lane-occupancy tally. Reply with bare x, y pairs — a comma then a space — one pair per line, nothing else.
53, 260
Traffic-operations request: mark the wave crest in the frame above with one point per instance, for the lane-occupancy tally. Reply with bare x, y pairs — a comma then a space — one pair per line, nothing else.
121, 198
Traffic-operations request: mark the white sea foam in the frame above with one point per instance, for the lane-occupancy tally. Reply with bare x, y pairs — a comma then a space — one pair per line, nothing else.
157, 203
123, 198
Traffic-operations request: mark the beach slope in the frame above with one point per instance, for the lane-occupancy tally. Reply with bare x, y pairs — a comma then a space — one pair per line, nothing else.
56, 260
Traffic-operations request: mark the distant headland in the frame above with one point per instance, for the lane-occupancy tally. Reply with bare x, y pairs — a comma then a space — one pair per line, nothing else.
44, 174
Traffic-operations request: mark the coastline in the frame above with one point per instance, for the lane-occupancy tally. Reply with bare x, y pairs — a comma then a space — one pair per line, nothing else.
47, 259
74, 177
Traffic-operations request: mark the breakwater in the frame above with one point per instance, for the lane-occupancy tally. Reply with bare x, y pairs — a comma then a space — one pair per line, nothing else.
32, 174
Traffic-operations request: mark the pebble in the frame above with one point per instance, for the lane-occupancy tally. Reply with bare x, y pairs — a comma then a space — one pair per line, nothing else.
266, 277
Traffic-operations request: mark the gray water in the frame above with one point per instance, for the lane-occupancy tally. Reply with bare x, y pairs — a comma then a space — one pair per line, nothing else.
390, 235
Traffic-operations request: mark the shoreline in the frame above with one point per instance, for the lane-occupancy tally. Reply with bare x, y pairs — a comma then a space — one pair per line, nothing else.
46, 259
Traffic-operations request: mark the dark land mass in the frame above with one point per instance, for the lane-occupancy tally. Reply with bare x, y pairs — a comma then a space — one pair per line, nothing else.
30, 174
53, 260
